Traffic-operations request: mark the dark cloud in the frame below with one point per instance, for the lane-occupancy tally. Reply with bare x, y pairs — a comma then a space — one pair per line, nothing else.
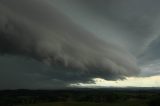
46, 45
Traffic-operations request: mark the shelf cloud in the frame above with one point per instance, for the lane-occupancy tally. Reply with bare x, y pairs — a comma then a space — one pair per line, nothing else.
46, 46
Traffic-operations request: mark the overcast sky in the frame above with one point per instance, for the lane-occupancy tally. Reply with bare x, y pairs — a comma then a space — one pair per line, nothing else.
47, 44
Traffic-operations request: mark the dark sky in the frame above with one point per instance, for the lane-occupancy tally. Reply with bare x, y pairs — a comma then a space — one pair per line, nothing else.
54, 43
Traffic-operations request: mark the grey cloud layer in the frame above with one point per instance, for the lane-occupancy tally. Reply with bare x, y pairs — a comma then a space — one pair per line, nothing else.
133, 24
37, 30
132, 21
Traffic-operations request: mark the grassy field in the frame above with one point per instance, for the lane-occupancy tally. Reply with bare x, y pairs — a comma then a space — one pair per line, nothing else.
127, 103
124, 103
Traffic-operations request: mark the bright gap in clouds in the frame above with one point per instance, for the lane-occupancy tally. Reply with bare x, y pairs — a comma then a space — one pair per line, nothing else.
149, 77
153, 81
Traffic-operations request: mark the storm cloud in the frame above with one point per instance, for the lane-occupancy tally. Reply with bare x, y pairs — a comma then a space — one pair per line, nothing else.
48, 44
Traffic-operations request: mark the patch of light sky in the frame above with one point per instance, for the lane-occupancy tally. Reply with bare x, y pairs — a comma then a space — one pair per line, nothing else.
149, 80
153, 81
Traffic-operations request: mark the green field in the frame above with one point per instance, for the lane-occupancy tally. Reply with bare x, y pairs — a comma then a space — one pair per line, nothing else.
131, 102
127, 103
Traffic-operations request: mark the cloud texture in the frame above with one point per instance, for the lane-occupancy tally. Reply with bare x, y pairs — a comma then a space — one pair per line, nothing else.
49, 46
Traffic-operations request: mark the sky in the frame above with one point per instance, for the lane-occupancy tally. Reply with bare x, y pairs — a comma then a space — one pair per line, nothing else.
53, 44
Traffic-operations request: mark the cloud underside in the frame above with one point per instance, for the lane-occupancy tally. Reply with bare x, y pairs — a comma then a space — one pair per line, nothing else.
44, 48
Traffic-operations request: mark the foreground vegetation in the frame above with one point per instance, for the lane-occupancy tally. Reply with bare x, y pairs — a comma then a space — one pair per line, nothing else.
87, 104
81, 97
